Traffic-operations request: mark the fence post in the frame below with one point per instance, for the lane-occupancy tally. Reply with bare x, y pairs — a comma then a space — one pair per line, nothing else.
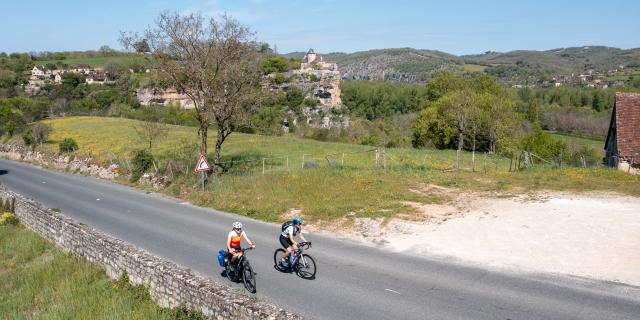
303, 161
342, 161
263, 166
377, 158
287, 162
384, 158
485, 163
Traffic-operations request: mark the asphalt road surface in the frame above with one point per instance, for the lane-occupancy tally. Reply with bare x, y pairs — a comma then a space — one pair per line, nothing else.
354, 281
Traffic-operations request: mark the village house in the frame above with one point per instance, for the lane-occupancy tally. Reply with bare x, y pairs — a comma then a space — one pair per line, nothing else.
83, 68
164, 97
622, 147
38, 71
96, 78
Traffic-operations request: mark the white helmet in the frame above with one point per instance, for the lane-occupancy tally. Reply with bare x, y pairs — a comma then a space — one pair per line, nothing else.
237, 225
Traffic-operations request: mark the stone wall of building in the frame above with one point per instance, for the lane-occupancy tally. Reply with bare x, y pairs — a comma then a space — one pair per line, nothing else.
169, 284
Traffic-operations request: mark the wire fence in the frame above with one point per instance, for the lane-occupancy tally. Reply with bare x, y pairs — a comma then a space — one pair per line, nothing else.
182, 161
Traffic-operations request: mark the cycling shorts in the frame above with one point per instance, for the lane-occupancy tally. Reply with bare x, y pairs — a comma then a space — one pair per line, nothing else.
285, 242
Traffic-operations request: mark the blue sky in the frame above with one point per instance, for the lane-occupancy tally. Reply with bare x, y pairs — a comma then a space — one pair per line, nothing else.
458, 27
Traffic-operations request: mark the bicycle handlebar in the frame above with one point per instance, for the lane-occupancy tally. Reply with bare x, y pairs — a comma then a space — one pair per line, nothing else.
307, 244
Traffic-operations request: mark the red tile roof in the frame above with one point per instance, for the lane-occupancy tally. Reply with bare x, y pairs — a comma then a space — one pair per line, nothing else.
628, 125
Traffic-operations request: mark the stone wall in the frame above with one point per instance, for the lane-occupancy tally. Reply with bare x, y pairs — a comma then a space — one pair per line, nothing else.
169, 284
85, 165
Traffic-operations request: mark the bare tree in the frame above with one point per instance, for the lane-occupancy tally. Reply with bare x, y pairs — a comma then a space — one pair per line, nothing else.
40, 133
213, 61
150, 131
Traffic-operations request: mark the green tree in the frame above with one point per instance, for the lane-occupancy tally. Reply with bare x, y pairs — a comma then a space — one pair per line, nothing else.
275, 64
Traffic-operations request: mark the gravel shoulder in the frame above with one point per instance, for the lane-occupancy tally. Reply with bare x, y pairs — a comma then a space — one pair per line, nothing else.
595, 236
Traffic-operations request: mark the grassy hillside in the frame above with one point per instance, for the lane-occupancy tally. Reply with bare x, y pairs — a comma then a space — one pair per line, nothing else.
38, 281
99, 62
571, 140
326, 190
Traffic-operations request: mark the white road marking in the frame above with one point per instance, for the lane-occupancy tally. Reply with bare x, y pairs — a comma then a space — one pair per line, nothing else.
98, 199
396, 292
44, 182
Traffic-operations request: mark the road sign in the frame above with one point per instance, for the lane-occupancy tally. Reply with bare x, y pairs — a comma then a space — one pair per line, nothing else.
202, 164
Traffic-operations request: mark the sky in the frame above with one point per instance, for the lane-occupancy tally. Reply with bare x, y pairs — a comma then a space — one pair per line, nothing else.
457, 27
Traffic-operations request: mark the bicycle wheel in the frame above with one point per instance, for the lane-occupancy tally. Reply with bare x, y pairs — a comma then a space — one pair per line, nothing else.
277, 256
306, 267
249, 277
231, 271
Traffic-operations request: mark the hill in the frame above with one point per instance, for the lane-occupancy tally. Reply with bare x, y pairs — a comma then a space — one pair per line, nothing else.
98, 62
416, 65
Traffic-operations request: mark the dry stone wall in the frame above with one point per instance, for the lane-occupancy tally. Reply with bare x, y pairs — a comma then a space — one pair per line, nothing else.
169, 284
65, 162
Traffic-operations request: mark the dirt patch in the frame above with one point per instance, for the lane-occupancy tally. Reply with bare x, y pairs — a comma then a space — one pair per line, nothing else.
590, 235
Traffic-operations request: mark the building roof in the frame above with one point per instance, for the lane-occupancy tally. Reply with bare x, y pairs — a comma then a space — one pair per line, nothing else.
310, 51
627, 111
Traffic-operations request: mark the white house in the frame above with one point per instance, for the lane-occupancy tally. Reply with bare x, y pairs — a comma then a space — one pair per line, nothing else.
38, 71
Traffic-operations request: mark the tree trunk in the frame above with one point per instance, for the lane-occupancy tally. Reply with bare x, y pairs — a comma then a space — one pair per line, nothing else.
460, 145
473, 148
202, 132
220, 137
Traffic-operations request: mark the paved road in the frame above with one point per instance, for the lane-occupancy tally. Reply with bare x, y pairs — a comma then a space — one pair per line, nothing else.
353, 282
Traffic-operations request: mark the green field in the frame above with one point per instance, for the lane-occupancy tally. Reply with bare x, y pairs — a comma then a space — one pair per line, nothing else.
99, 62
334, 188
473, 67
38, 281
576, 141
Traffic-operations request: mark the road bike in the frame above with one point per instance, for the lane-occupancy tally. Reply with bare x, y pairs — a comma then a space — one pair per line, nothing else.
241, 270
301, 263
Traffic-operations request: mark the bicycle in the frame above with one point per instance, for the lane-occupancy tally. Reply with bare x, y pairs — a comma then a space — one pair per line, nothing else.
241, 269
301, 263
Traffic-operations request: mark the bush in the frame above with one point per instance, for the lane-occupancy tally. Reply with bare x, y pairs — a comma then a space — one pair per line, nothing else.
142, 160
8, 218
545, 146
310, 164
68, 145
27, 137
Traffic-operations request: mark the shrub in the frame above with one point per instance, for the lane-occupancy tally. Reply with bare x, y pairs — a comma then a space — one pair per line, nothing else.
68, 145
142, 160
545, 146
8, 218
279, 78
310, 164
27, 137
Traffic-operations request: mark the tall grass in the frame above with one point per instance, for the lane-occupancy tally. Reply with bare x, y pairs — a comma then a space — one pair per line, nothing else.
38, 281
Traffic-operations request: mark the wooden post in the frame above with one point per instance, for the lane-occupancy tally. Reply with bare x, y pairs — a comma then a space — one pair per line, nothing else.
342, 161
473, 160
303, 161
287, 162
263, 166
384, 158
377, 158
485, 163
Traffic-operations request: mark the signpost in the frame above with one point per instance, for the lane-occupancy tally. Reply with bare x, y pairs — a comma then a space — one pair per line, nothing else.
201, 167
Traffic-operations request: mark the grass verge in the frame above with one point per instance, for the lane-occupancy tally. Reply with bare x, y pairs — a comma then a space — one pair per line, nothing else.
38, 281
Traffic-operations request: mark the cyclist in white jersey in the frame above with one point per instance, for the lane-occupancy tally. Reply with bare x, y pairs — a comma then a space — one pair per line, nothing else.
287, 239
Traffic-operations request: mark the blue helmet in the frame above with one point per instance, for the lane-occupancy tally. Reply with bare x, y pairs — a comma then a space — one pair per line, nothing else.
297, 220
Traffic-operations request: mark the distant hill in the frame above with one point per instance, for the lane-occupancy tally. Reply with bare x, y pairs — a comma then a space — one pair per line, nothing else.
415, 65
